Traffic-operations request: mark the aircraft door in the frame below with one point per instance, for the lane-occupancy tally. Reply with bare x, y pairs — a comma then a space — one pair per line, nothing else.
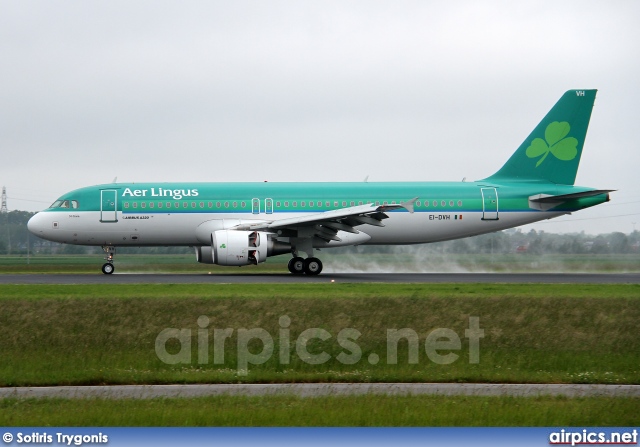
268, 206
255, 206
108, 205
489, 203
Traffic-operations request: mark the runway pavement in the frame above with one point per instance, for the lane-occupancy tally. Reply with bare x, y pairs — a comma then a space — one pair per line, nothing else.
319, 389
278, 278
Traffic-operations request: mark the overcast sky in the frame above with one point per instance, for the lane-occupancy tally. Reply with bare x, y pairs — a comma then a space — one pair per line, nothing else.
311, 91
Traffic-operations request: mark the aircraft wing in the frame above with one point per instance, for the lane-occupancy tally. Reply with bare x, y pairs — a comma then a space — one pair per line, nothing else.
327, 224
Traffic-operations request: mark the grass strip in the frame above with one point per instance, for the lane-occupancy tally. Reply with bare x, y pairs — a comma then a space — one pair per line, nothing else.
96, 334
329, 290
362, 411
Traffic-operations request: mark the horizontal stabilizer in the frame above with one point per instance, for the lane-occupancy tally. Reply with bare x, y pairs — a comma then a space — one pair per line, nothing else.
543, 198
544, 202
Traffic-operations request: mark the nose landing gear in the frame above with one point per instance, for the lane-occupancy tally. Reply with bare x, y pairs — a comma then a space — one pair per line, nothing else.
108, 268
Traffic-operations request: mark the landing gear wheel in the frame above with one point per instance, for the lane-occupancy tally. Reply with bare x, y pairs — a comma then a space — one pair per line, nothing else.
108, 267
296, 265
312, 266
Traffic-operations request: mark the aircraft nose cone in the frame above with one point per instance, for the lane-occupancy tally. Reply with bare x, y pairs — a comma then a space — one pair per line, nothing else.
35, 224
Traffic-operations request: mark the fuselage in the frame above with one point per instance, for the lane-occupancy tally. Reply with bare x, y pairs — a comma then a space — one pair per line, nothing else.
185, 214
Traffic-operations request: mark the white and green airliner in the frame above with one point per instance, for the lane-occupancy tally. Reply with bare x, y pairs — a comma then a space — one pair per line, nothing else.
237, 224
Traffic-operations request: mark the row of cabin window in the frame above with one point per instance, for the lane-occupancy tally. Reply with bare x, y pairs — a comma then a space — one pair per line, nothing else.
278, 204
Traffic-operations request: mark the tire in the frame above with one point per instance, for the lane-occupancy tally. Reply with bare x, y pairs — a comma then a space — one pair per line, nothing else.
297, 265
108, 268
312, 266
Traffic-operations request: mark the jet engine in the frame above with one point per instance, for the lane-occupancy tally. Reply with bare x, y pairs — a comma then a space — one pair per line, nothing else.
233, 247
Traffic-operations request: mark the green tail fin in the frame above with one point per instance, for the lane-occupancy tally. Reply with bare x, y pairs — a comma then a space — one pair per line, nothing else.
552, 152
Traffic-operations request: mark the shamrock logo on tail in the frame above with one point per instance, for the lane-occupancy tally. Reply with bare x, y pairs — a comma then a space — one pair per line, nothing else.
562, 148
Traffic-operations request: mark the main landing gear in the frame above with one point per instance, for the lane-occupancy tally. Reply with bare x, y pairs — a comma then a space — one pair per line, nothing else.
108, 267
310, 266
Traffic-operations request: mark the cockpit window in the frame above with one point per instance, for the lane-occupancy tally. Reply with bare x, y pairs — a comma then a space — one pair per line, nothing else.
74, 204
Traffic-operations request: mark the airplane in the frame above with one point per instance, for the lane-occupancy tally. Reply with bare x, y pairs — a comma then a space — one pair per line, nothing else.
240, 224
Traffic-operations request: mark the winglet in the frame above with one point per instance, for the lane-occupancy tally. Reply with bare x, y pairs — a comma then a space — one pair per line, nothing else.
408, 205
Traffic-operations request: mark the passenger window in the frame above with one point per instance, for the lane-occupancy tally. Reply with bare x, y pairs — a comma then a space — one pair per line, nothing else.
159, 204
143, 205
126, 204
435, 203
451, 203
151, 205
286, 204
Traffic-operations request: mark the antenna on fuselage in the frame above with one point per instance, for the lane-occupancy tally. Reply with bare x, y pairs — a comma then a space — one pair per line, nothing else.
115, 179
